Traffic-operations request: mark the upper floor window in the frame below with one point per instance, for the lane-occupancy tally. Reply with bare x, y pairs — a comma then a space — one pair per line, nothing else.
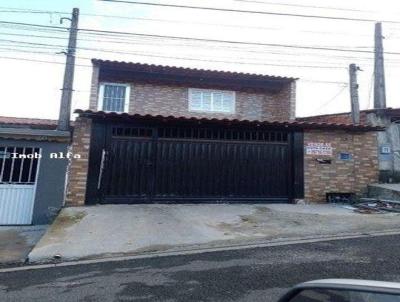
114, 97
211, 100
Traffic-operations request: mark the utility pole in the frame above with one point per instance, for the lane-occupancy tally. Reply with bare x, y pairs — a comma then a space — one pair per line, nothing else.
355, 105
66, 95
379, 72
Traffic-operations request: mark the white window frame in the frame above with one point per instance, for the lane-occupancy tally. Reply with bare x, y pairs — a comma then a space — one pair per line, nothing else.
212, 91
101, 95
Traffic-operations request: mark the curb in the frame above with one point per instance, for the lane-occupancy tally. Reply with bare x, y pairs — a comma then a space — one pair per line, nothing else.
201, 250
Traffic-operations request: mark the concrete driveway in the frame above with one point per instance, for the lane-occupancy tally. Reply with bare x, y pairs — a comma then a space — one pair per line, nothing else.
116, 230
17, 241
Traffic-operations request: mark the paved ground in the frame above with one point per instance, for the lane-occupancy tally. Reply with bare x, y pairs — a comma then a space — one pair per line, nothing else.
384, 191
392, 186
17, 242
110, 230
261, 274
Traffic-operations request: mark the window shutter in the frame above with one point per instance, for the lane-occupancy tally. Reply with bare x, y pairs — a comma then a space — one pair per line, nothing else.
211, 100
228, 102
206, 101
195, 100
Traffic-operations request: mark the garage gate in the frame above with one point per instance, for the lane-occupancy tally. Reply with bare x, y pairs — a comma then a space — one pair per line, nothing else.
140, 164
18, 177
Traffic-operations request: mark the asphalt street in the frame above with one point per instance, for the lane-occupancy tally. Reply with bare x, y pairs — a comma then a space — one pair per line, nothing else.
260, 274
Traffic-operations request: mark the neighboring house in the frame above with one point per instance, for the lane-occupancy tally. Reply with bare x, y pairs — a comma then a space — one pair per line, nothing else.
388, 140
32, 184
169, 134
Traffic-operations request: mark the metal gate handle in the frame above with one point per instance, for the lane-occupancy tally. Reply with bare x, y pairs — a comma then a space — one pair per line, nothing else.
103, 157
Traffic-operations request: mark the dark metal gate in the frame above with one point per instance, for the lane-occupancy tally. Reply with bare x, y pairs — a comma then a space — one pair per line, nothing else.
193, 164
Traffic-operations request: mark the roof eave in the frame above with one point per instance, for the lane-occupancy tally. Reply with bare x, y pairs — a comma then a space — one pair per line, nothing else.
289, 124
177, 69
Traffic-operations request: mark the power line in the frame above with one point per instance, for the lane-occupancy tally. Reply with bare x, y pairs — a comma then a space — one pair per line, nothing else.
191, 22
262, 60
36, 27
144, 53
305, 6
108, 32
29, 10
331, 99
238, 49
321, 81
141, 42
33, 36
53, 46
186, 45
25, 51
149, 54
56, 46
90, 66
24, 12
40, 61
110, 40
236, 42
249, 11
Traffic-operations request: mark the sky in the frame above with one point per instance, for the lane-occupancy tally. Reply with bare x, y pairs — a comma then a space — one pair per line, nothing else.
31, 59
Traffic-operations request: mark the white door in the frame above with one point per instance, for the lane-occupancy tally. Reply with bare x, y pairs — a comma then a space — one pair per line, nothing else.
18, 177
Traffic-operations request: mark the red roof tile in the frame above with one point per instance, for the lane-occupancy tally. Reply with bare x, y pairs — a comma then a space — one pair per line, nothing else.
345, 117
291, 124
21, 121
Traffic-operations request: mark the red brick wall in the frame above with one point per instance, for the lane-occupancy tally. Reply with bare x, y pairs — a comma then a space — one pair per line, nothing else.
146, 98
78, 168
340, 176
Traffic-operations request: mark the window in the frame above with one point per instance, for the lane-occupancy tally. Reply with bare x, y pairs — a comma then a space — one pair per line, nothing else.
19, 165
114, 97
211, 100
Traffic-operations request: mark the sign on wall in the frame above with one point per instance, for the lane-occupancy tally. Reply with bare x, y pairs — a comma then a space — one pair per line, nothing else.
319, 149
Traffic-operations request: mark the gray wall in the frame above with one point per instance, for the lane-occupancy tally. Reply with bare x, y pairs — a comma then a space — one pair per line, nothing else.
389, 164
51, 179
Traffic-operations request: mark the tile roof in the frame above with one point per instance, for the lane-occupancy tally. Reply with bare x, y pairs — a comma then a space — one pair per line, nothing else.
192, 71
337, 118
10, 121
345, 117
289, 124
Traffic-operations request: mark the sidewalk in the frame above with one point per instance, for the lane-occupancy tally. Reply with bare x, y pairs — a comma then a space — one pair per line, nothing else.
117, 230
17, 241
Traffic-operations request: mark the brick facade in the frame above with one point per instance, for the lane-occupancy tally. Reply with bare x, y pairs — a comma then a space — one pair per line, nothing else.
78, 168
161, 99
341, 176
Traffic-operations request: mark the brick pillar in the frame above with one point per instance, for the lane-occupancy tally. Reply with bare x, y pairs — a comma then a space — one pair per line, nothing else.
94, 88
78, 167
292, 101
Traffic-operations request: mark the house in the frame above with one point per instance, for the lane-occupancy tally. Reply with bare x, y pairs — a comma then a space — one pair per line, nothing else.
32, 182
168, 134
388, 140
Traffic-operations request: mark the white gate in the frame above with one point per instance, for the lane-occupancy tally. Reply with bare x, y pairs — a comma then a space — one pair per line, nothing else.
18, 176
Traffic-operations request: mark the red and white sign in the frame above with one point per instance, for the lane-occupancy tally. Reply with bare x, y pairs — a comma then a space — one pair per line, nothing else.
319, 149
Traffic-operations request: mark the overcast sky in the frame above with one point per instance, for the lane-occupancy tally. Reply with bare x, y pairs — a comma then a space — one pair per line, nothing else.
32, 89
